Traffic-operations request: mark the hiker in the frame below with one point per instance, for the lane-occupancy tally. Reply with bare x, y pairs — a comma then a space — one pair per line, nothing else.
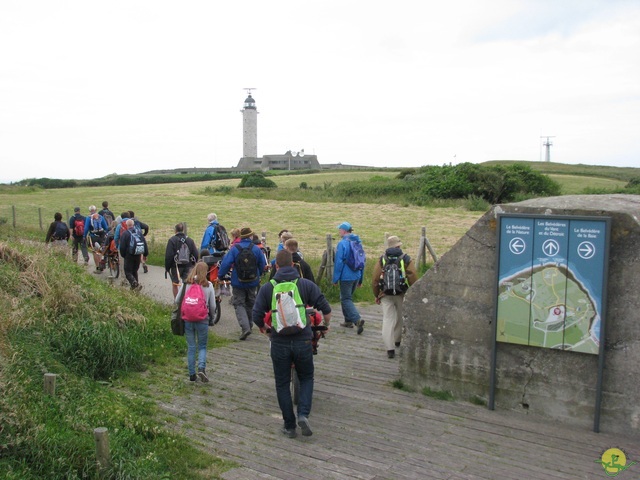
348, 276
180, 256
133, 246
76, 224
248, 263
304, 269
293, 348
235, 235
107, 214
198, 308
145, 229
215, 237
121, 227
95, 232
393, 273
58, 234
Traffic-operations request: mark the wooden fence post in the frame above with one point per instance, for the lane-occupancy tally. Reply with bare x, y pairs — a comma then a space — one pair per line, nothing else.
50, 383
101, 437
386, 240
13, 210
185, 227
422, 249
40, 217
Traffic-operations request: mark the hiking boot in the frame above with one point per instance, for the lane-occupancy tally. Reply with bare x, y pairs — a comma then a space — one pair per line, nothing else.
391, 353
360, 325
97, 271
397, 344
289, 432
245, 334
145, 269
346, 324
192, 378
203, 376
303, 423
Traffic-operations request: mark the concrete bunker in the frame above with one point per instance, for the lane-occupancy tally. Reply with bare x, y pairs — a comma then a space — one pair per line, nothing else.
448, 337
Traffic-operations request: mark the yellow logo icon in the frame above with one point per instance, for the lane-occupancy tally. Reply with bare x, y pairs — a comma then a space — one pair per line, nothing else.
614, 461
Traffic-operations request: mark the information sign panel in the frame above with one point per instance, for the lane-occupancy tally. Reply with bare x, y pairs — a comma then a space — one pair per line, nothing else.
551, 281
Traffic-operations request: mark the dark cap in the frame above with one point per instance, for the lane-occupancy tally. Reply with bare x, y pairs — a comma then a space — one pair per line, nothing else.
76, 209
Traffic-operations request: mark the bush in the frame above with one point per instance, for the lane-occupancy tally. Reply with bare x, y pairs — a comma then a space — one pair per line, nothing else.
256, 180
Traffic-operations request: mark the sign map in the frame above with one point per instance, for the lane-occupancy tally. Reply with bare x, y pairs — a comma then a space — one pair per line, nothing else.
551, 281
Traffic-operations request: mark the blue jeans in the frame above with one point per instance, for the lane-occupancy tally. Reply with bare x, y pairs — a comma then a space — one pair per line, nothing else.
283, 355
201, 330
349, 311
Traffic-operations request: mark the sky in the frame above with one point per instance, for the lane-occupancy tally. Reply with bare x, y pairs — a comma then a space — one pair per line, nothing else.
89, 89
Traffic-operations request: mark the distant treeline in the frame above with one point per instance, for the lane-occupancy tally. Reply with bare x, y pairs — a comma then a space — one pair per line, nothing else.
114, 180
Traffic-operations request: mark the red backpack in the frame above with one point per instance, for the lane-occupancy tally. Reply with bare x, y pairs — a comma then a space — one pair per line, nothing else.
194, 304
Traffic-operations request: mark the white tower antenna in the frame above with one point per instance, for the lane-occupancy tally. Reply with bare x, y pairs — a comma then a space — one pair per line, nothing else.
547, 144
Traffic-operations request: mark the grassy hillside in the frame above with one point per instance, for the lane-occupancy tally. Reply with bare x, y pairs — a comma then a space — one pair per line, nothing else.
623, 174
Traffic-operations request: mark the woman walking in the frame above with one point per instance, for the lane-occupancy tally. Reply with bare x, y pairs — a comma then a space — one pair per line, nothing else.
198, 307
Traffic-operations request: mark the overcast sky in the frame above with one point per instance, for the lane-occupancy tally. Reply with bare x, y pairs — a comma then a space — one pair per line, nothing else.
92, 88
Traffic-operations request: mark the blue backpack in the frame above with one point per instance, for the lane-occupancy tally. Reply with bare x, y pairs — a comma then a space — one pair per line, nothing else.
356, 257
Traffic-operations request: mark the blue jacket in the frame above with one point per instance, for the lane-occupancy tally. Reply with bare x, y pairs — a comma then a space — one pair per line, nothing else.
230, 259
209, 237
309, 293
341, 270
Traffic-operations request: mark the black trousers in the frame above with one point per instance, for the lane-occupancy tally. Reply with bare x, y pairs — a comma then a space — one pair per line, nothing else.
131, 267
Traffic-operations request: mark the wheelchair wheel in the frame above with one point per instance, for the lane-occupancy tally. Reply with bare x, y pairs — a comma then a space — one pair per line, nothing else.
295, 385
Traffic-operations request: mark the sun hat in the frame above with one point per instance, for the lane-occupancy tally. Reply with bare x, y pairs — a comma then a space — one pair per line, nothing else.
394, 241
344, 226
246, 232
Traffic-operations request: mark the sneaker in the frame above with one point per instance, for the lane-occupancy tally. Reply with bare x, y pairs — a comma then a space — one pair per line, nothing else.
346, 324
391, 353
397, 344
203, 376
289, 432
360, 325
192, 378
245, 334
303, 423
97, 271
145, 269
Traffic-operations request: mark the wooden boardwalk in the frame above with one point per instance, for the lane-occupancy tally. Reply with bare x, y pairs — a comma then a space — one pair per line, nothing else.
363, 428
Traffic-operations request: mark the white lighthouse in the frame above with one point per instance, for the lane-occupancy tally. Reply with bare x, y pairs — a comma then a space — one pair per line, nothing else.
249, 127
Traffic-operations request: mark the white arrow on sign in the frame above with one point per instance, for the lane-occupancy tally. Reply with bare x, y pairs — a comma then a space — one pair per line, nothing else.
517, 245
586, 250
551, 248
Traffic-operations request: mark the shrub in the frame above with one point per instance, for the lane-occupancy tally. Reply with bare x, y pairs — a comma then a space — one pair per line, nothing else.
256, 180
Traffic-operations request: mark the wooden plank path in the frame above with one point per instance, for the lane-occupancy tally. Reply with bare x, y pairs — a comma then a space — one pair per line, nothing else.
363, 428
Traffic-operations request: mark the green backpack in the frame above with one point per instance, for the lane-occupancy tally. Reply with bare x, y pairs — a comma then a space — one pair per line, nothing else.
288, 312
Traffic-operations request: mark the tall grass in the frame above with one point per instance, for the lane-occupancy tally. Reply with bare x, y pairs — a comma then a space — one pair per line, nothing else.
54, 318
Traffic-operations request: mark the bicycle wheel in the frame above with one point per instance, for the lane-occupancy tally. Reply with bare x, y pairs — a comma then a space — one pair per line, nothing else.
295, 385
216, 317
114, 266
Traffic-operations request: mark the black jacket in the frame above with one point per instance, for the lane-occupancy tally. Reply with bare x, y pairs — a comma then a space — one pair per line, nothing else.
173, 245
309, 293
304, 266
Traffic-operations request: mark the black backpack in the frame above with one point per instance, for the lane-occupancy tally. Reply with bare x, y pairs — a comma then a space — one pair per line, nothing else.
60, 233
220, 238
394, 278
246, 264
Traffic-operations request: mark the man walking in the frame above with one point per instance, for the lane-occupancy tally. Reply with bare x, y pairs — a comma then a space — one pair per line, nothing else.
293, 347
347, 276
76, 225
392, 276
248, 263
179, 257
215, 238
133, 246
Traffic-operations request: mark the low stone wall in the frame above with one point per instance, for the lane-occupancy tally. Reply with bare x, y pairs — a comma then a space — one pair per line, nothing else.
449, 313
